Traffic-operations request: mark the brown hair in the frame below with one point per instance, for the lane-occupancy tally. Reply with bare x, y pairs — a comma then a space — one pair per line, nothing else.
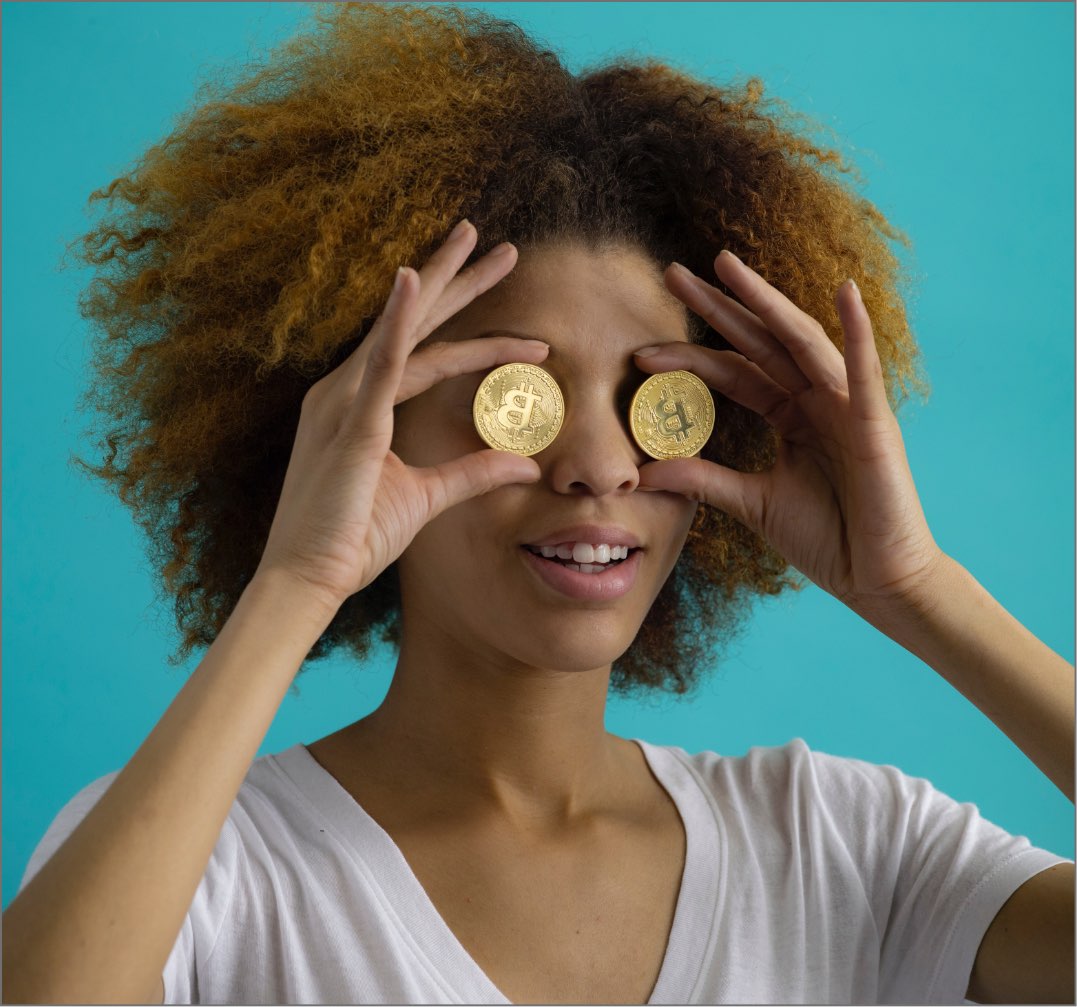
249, 252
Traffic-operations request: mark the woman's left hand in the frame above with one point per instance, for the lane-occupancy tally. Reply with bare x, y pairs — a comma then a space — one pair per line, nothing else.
839, 503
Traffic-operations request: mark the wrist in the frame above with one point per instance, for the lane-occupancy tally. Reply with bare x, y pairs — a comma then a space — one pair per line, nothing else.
303, 599
912, 608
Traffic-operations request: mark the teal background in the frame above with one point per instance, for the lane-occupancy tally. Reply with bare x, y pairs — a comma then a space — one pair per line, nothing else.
960, 116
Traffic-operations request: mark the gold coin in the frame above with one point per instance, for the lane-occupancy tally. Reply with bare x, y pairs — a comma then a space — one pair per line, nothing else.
519, 408
672, 415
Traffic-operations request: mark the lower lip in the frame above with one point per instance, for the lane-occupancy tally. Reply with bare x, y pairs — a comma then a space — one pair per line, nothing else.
606, 586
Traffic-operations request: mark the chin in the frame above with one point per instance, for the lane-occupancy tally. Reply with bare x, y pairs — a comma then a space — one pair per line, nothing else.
583, 647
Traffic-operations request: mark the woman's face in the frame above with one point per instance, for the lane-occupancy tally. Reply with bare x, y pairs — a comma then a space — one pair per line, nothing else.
468, 575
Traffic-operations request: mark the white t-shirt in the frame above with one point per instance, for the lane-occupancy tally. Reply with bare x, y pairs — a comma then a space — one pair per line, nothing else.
809, 878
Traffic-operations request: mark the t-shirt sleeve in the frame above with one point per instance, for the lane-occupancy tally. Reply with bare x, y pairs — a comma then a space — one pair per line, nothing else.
201, 925
936, 871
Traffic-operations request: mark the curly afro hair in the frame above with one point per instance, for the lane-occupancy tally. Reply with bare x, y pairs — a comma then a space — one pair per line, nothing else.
250, 251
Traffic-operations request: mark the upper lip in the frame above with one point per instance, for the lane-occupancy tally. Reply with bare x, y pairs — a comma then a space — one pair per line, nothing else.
592, 533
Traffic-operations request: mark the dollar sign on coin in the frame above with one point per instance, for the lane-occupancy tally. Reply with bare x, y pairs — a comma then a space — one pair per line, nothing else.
672, 415
519, 408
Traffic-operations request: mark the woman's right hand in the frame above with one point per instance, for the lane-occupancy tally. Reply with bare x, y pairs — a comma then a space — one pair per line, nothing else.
349, 506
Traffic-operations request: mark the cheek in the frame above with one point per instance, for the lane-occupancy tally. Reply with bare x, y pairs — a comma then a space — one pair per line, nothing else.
429, 432
450, 571
679, 517
464, 543
682, 511
436, 566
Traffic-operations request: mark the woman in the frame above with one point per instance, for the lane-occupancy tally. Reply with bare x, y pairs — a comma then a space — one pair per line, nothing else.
480, 837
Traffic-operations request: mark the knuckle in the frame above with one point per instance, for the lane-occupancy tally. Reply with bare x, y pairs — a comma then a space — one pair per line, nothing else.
766, 357
833, 390
875, 369
778, 412
436, 495
769, 314
433, 363
380, 361
482, 475
736, 383
442, 354
799, 342
467, 275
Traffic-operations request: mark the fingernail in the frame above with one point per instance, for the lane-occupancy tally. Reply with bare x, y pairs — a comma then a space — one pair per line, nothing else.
856, 290
537, 342
399, 281
460, 228
648, 351
503, 249
683, 270
726, 251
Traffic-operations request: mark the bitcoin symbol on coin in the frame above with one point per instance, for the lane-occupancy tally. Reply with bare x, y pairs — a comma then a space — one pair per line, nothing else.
518, 404
519, 408
671, 418
672, 415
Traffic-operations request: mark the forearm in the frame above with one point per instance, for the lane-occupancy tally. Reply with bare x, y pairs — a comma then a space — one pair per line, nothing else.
98, 922
1027, 690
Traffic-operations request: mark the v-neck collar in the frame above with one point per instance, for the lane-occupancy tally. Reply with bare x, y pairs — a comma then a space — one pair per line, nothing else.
694, 930
449, 964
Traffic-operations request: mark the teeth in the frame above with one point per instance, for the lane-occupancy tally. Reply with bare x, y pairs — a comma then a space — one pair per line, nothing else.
584, 552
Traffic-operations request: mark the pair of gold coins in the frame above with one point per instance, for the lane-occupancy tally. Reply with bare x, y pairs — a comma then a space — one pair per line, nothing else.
520, 408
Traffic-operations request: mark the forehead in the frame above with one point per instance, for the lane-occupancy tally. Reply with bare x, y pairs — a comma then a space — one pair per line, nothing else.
581, 301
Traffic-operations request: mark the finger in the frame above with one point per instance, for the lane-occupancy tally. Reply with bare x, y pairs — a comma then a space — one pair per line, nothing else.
867, 389
729, 373
739, 326
440, 268
463, 289
479, 472
469, 284
739, 494
369, 413
807, 342
438, 361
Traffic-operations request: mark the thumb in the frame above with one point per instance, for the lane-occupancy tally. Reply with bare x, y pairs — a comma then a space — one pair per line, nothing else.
479, 472
739, 494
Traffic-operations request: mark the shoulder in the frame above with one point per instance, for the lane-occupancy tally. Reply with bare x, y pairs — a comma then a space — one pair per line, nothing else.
793, 765
797, 767
267, 800
848, 799
65, 822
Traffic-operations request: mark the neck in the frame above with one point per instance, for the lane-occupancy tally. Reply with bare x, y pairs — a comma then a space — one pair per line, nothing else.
493, 735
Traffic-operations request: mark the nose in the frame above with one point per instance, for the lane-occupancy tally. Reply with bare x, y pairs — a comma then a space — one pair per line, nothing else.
594, 452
